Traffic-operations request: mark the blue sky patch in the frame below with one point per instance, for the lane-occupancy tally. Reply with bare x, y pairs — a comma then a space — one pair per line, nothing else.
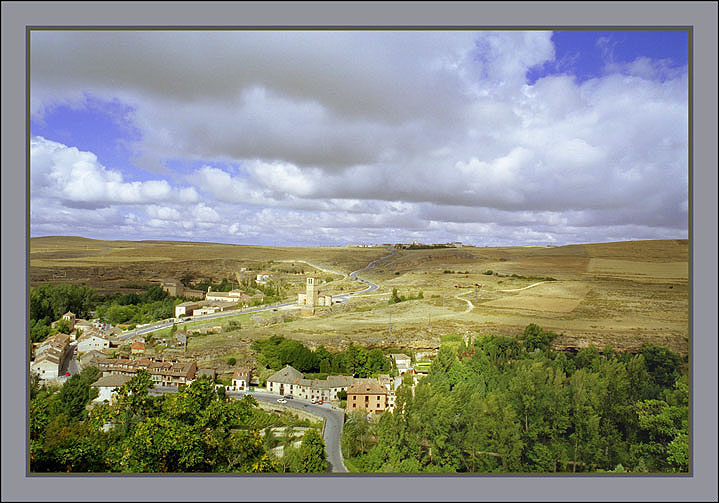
585, 54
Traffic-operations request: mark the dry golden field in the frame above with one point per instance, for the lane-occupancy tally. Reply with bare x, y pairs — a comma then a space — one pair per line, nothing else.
622, 294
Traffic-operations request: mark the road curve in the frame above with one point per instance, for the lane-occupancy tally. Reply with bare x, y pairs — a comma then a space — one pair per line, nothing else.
334, 420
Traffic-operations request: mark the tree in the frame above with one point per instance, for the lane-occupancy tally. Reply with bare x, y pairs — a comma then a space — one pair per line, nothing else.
662, 364
62, 326
395, 298
536, 338
231, 362
76, 393
311, 454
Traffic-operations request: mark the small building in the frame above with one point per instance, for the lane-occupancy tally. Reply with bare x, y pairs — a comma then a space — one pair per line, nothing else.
137, 347
90, 358
339, 383
186, 308
46, 366
108, 385
50, 356
241, 380
367, 395
402, 362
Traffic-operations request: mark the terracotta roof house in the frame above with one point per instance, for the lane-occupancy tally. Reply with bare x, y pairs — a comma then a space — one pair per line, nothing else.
137, 347
368, 395
162, 373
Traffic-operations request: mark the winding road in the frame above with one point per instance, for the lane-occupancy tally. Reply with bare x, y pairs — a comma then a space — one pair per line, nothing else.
524, 288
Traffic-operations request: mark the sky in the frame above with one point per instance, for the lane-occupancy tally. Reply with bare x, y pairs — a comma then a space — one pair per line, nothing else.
327, 138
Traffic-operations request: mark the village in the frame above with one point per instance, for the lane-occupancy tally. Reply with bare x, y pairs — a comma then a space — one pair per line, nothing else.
92, 342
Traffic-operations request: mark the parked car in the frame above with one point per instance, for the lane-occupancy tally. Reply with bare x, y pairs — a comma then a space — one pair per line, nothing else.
314, 400
281, 400
67, 373
320, 402
288, 397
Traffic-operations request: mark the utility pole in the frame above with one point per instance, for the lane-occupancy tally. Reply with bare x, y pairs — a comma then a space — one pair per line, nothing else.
390, 322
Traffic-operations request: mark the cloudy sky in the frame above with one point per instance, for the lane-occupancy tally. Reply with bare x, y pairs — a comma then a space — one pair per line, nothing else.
336, 137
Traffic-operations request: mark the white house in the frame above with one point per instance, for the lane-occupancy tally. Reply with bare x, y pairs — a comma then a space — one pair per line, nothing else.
240, 380
92, 341
107, 386
47, 366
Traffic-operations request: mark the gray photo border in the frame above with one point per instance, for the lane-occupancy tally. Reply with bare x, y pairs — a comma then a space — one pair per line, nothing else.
700, 486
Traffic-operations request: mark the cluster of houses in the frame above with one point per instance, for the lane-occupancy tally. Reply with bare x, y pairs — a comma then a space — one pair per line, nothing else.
366, 394
50, 356
117, 371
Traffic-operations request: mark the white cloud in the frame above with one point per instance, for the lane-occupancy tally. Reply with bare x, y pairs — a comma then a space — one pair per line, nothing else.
369, 133
78, 177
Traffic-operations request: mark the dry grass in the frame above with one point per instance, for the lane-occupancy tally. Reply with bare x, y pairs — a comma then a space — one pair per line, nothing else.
618, 293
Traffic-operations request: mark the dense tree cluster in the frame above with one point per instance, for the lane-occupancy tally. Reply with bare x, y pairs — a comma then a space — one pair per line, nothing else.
197, 429
275, 352
509, 405
50, 302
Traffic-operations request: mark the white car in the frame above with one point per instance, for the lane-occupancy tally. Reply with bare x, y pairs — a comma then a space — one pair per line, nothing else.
281, 400
314, 400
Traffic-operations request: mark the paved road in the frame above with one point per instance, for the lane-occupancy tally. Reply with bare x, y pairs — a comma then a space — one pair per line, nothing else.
333, 426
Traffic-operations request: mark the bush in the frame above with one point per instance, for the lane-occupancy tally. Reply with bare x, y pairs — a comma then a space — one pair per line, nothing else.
489, 272
231, 361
